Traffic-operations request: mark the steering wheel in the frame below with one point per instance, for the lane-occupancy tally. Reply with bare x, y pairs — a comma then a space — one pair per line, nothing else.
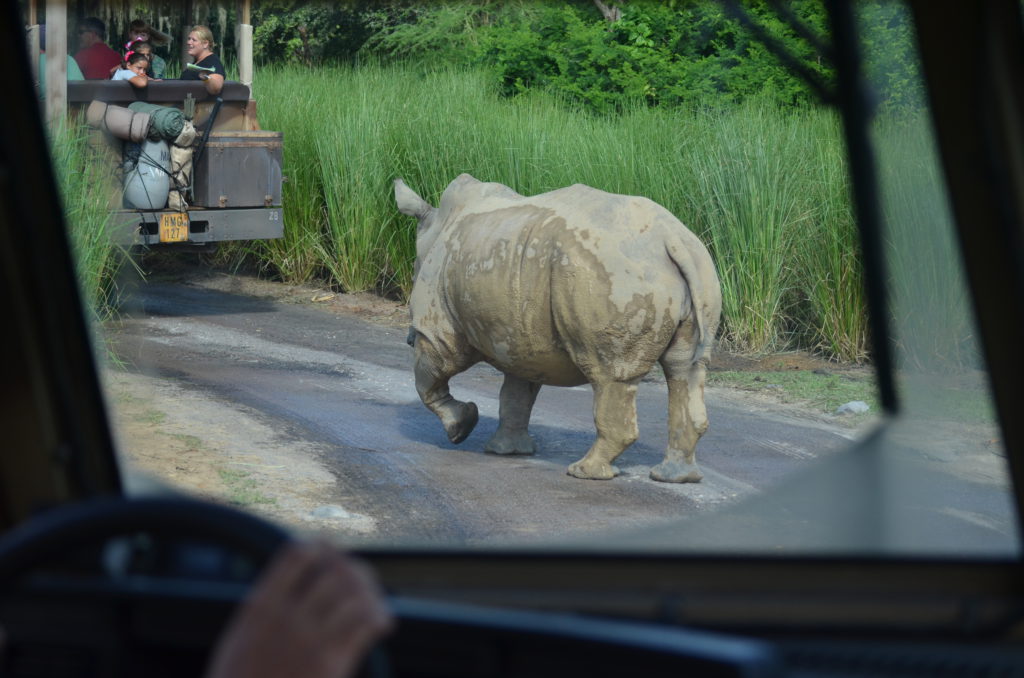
73, 526
64, 609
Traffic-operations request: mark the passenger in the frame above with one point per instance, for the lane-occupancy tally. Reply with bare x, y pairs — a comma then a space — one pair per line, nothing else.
134, 70
200, 47
156, 64
74, 72
139, 32
95, 57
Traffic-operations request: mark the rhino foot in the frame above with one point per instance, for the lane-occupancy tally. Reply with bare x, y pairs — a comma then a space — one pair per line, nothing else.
462, 423
676, 472
592, 470
516, 443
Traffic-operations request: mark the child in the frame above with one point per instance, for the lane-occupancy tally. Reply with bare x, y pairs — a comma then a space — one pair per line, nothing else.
156, 64
134, 70
140, 33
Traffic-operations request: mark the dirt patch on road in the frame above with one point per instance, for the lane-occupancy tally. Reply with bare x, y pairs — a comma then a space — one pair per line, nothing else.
173, 439
724, 360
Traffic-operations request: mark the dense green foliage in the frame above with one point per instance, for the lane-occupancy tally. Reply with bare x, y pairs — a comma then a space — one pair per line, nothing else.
309, 33
659, 53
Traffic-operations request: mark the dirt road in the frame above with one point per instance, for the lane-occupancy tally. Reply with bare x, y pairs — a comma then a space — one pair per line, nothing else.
301, 405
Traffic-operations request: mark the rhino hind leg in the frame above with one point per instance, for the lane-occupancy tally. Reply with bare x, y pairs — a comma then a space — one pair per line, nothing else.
615, 418
516, 404
458, 418
687, 422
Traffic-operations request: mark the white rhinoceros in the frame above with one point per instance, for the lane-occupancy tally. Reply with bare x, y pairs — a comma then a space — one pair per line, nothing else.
572, 286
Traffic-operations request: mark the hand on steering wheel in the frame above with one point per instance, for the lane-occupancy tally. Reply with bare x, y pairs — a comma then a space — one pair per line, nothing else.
314, 613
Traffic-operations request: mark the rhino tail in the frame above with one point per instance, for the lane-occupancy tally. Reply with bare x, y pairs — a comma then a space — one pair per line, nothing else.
684, 261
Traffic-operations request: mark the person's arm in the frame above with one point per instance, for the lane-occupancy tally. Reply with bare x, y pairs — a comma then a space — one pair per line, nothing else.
214, 82
139, 81
313, 613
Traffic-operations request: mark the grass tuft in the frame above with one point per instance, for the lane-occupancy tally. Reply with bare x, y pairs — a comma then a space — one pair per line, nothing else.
243, 489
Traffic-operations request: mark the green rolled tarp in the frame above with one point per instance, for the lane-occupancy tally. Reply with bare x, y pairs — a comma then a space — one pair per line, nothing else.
167, 122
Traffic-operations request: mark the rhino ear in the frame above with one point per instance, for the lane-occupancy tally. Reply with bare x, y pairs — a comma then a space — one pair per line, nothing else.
410, 203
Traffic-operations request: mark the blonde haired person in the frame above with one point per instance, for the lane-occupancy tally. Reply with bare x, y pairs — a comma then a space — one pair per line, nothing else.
200, 48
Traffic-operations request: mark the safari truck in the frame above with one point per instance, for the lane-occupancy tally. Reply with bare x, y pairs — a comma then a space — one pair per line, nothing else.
233, 191
235, 187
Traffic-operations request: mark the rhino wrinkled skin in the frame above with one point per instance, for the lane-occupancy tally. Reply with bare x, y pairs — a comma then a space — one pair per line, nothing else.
564, 288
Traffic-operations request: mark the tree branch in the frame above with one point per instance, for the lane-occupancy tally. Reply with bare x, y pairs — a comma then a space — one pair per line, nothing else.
612, 13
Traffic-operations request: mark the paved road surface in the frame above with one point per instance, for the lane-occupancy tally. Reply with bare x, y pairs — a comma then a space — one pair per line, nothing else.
346, 385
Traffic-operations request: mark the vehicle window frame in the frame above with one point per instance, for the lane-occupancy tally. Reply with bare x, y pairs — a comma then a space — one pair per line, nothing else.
76, 455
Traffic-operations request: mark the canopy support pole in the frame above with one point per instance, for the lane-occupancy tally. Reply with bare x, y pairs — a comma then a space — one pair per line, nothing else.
57, 63
245, 70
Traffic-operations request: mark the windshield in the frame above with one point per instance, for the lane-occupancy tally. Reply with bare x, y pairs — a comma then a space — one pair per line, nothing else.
301, 377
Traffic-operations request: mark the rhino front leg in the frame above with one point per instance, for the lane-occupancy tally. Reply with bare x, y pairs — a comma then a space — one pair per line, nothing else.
457, 417
516, 404
615, 418
687, 422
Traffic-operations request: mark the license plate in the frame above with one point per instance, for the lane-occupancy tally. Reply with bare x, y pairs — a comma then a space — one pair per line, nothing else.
174, 227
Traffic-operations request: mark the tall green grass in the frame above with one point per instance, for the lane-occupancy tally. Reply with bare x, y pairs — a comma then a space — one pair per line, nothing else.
289, 102
833, 314
747, 198
927, 283
81, 181
765, 188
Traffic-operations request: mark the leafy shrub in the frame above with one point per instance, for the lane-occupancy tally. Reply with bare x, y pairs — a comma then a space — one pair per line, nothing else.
659, 54
297, 31
890, 60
